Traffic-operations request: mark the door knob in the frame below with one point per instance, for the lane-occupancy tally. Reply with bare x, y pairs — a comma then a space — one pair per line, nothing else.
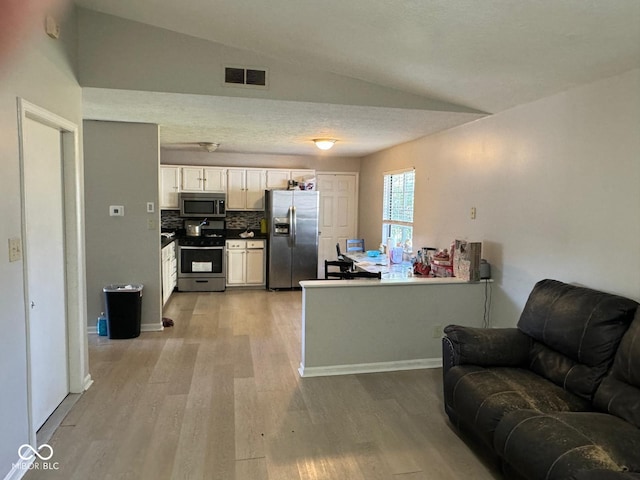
33, 304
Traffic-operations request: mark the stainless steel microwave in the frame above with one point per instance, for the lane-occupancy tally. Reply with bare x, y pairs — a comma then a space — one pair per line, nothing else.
210, 205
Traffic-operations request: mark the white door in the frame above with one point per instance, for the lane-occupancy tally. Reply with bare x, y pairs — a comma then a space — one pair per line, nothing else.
45, 266
337, 220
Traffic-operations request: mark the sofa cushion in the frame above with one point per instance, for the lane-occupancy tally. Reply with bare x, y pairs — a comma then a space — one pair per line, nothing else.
554, 446
619, 393
480, 397
581, 329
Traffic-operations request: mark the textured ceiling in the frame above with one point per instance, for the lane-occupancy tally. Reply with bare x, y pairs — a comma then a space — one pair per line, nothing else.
485, 55
275, 127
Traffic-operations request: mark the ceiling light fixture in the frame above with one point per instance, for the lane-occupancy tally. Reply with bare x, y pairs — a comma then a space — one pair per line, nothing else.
324, 143
209, 146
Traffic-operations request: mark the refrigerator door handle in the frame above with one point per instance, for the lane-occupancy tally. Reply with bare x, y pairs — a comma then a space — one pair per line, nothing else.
294, 224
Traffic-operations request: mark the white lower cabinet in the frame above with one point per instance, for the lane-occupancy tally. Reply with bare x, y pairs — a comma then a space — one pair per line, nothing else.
245, 263
169, 271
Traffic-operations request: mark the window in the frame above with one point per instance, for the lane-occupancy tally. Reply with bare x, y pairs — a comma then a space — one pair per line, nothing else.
397, 210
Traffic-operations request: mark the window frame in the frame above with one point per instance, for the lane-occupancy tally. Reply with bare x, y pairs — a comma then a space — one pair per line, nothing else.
387, 201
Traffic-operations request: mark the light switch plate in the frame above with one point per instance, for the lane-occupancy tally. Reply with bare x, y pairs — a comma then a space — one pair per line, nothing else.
116, 210
15, 250
151, 207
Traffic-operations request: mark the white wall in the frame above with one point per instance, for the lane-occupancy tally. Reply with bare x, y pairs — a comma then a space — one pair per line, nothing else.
42, 73
318, 162
555, 183
121, 168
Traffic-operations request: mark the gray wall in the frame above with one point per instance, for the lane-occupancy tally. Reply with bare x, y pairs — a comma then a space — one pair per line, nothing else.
121, 168
555, 183
41, 72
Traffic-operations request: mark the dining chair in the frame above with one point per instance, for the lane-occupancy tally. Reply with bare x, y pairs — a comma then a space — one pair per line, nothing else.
355, 245
343, 267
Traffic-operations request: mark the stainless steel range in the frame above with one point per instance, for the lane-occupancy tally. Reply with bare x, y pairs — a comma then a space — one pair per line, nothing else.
201, 259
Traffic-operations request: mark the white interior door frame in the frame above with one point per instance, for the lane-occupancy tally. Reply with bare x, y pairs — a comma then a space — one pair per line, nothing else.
74, 244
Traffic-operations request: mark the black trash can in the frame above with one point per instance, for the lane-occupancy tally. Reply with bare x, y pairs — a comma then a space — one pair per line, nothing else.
124, 310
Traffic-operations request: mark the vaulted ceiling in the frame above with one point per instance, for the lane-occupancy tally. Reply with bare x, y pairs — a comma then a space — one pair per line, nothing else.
468, 57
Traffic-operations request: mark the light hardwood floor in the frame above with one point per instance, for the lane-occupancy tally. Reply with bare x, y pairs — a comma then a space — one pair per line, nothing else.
218, 396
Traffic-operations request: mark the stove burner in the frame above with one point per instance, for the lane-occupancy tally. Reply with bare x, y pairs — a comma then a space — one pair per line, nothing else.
209, 238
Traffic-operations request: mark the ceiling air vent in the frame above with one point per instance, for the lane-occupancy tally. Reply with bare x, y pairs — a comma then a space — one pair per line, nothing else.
245, 77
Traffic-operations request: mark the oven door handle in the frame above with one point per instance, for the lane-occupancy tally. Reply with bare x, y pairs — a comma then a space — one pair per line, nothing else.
201, 248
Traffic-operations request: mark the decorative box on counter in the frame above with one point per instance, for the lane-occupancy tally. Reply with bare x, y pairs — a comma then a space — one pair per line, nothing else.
466, 260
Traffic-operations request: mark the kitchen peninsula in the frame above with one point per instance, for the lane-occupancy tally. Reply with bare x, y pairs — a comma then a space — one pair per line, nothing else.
360, 326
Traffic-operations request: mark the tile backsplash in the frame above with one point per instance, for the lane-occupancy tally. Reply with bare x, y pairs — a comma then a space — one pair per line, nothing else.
238, 220
171, 220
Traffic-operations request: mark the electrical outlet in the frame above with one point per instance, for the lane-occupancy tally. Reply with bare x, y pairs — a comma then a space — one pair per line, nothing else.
151, 224
151, 207
436, 331
15, 250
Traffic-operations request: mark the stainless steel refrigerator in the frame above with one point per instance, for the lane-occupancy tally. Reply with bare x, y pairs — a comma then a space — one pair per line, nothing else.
292, 216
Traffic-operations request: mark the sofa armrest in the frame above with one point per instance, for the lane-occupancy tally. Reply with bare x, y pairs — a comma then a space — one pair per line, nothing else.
604, 475
485, 347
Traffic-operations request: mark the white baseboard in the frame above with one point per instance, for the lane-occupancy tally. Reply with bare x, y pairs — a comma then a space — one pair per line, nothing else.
151, 327
369, 367
19, 469
88, 381
145, 327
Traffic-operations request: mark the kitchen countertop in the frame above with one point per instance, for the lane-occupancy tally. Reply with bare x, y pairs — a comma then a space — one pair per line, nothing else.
235, 235
166, 241
231, 235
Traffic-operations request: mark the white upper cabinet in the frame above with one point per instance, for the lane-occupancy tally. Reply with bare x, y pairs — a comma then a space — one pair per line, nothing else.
245, 189
215, 179
169, 187
244, 186
207, 179
255, 189
277, 179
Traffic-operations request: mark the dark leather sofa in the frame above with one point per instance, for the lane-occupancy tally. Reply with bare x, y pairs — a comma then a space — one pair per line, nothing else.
558, 397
